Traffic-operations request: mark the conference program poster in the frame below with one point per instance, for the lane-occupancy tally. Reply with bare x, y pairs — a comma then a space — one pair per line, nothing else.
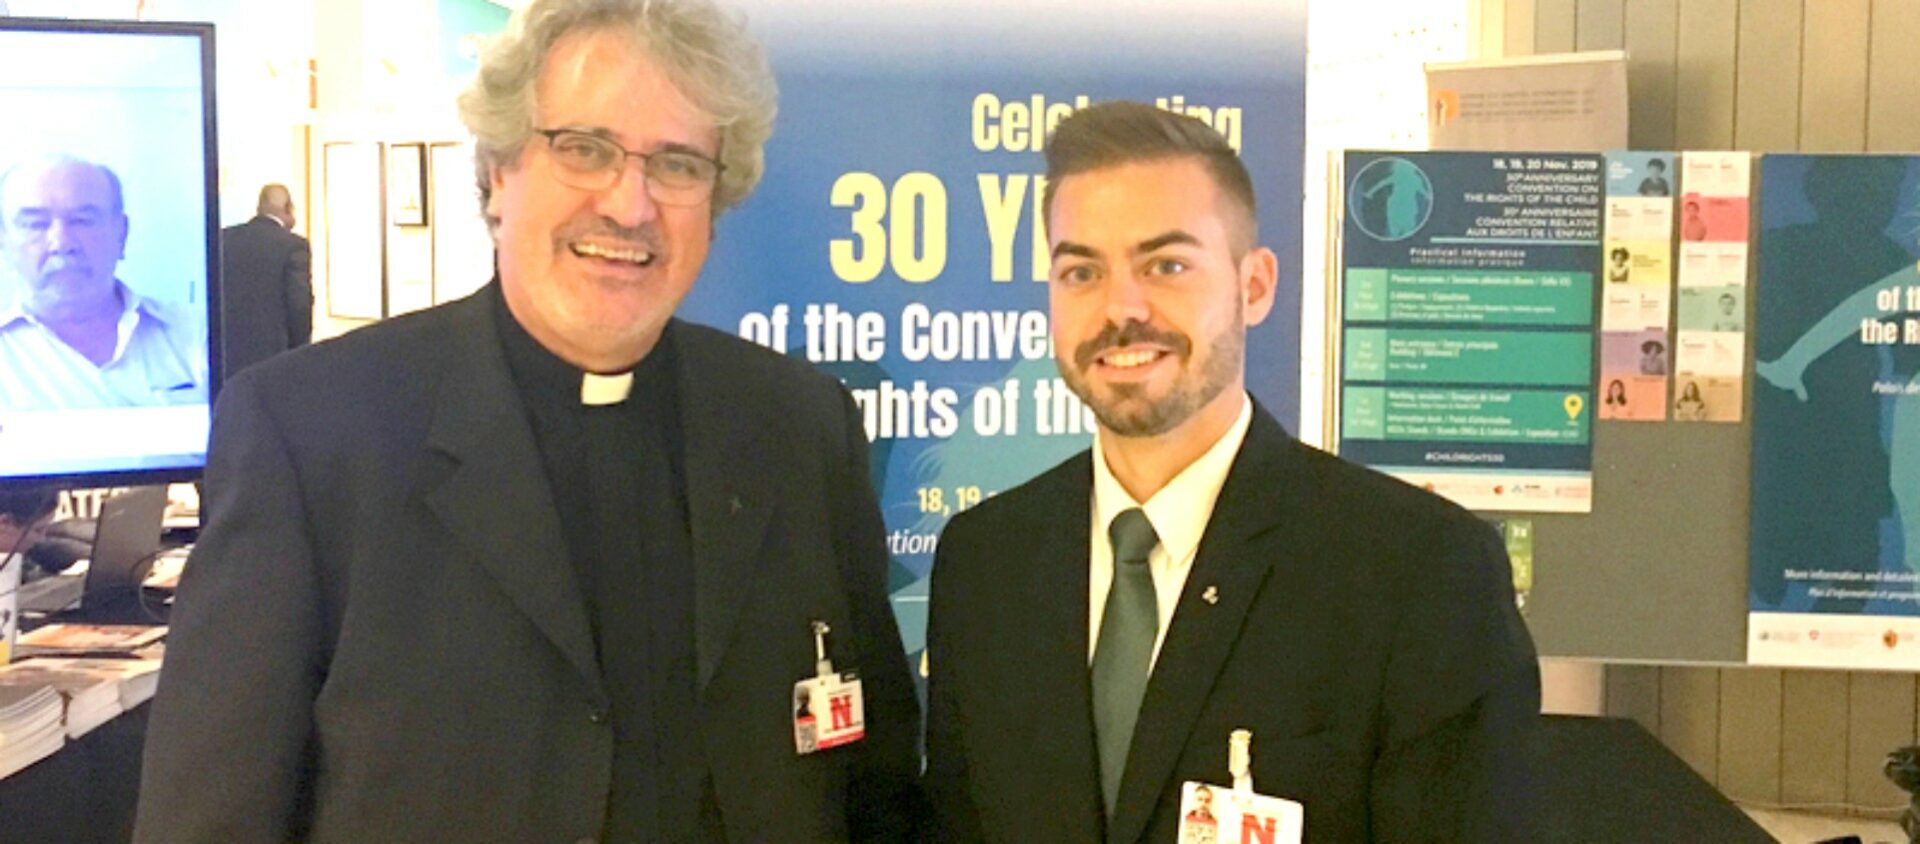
1835, 577
897, 241
1468, 324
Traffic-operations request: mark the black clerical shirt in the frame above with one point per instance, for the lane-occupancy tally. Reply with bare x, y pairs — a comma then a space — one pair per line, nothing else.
618, 480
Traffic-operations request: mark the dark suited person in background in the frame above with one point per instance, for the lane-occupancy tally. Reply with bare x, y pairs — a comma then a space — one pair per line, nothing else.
1098, 632
545, 564
266, 284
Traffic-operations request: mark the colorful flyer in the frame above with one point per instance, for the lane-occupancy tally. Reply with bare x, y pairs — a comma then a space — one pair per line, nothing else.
1469, 312
1710, 343
1636, 304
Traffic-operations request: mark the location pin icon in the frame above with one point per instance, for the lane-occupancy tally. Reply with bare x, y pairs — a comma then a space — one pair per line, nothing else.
1574, 405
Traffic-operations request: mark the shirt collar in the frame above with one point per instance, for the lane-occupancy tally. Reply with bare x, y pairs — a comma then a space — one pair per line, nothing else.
133, 308
1180, 510
545, 377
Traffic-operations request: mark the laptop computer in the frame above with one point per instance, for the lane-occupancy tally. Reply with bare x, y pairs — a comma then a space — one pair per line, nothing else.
125, 539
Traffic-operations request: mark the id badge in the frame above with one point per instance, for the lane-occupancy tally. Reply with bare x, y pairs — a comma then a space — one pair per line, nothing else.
828, 708
828, 712
1212, 814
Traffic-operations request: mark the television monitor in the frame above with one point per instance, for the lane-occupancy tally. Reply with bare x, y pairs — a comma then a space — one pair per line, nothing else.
109, 239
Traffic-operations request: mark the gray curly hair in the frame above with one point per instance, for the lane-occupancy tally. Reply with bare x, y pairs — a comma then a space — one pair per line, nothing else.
706, 52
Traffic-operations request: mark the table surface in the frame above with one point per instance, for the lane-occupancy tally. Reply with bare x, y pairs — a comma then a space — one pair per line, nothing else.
1608, 779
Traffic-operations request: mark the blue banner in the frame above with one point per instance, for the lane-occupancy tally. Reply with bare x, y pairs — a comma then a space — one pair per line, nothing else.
896, 241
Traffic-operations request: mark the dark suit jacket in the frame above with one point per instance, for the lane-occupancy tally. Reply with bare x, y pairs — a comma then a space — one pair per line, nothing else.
380, 638
1364, 631
266, 292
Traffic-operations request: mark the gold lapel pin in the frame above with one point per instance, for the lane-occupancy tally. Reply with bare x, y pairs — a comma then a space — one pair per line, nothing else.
1211, 596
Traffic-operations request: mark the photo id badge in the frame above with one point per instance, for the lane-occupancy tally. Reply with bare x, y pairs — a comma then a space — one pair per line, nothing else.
1212, 814
828, 711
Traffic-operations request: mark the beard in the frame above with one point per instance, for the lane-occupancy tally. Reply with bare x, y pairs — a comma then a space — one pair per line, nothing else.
1128, 410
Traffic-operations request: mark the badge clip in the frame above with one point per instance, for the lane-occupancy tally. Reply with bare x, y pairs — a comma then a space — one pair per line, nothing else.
1240, 760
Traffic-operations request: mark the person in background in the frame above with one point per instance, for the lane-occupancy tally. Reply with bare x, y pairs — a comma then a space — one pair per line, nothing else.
266, 285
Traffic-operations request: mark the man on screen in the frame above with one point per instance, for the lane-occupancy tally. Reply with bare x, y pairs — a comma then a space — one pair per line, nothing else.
1096, 634
72, 335
544, 563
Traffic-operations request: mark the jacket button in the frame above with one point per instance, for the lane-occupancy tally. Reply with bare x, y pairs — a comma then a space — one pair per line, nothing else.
597, 716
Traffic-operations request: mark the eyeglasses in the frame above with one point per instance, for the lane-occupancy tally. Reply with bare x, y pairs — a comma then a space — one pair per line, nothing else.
590, 162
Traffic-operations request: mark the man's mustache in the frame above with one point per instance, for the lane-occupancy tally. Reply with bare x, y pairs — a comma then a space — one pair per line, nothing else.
646, 235
1118, 336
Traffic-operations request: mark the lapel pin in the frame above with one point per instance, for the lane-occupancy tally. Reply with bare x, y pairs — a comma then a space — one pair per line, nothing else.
1211, 596
734, 503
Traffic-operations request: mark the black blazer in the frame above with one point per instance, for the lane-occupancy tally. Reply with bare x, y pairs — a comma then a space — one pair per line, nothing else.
380, 638
266, 292
1363, 630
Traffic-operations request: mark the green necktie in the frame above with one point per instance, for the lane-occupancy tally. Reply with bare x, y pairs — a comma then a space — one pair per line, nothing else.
1124, 654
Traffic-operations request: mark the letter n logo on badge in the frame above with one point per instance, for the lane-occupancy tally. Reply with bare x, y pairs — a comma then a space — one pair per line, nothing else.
842, 708
1256, 830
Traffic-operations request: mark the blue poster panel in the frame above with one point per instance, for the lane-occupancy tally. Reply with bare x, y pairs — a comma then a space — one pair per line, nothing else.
1468, 299
1835, 578
897, 240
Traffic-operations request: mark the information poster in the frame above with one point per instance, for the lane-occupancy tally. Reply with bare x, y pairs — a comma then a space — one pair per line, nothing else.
1468, 322
1835, 579
897, 240
1636, 304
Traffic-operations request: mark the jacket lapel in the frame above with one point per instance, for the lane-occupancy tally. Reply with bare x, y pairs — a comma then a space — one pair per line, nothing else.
1052, 601
1233, 562
495, 499
726, 450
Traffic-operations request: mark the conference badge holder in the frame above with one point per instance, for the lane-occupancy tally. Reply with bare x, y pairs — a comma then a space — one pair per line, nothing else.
1211, 814
828, 709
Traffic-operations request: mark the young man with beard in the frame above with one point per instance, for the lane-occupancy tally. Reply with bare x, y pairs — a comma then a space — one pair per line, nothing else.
1097, 633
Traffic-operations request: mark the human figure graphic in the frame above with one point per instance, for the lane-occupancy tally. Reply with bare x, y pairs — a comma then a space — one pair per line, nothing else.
1406, 189
1901, 422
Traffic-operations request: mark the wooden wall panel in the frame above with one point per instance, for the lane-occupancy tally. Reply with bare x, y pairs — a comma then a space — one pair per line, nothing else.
1705, 74
1690, 717
1651, 39
1750, 734
1833, 79
1880, 715
1554, 25
1633, 691
1600, 25
1766, 105
1813, 737
1893, 88
1518, 20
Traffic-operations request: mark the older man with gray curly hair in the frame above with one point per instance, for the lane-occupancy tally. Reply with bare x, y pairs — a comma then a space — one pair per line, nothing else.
547, 564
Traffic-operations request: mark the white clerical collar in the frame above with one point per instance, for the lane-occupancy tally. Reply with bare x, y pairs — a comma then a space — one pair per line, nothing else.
597, 390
